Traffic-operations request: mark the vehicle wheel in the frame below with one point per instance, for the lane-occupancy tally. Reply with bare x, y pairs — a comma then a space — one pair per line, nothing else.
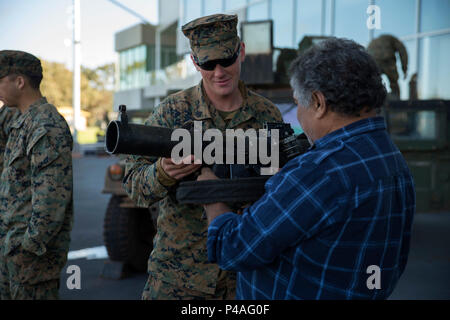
128, 234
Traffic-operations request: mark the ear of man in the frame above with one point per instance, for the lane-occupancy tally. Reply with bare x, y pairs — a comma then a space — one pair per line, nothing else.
319, 104
20, 82
242, 53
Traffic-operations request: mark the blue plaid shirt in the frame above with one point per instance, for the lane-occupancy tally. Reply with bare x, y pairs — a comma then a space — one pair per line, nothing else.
329, 214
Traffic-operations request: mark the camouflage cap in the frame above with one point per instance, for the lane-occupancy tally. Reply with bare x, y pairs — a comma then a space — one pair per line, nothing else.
20, 62
212, 37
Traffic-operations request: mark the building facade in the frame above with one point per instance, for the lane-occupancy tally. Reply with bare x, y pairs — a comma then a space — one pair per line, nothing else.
154, 60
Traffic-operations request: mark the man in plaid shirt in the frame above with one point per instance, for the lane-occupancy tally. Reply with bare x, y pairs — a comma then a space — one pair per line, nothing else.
335, 222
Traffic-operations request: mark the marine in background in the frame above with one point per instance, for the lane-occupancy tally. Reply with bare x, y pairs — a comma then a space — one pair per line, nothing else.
7, 116
36, 206
383, 49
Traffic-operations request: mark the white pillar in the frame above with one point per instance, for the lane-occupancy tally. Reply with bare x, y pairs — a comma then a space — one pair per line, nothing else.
76, 94
323, 18
371, 31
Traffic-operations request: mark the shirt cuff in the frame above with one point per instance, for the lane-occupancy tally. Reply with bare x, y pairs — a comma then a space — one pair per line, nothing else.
153, 185
162, 176
214, 242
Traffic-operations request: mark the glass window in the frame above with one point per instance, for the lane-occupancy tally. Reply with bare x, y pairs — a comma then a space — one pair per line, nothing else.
257, 37
168, 56
434, 15
258, 11
329, 16
142, 65
150, 58
351, 19
434, 74
213, 7
122, 74
133, 67
128, 62
308, 19
410, 125
412, 69
128, 73
397, 17
283, 21
168, 46
234, 4
137, 55
192, 10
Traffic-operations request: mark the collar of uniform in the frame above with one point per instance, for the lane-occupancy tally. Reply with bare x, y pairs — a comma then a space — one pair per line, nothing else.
247, 111
21, 119
203, 109
206, 109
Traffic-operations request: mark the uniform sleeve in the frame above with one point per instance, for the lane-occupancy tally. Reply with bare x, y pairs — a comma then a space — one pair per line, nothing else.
51, 185
7, 115
140, 181
277, 114
293, 208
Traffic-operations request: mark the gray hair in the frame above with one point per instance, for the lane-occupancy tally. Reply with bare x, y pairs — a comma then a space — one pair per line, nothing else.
301, 94
343, 72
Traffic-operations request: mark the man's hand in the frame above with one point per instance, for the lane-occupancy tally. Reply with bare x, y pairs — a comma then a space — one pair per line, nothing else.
241, 209
207, 174
179, 171
212, 210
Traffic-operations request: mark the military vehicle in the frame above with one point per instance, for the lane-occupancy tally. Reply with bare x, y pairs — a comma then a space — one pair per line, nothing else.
128, 229
420, 128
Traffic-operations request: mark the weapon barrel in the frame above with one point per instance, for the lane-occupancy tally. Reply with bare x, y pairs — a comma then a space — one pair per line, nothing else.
136, 139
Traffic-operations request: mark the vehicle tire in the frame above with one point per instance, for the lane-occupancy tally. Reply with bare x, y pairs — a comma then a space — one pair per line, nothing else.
128, 234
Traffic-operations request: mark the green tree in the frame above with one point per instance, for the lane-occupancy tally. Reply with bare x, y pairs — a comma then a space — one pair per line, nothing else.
96, 88
57, 83
97, 91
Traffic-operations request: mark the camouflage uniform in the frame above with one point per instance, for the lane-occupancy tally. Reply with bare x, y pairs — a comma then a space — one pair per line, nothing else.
383, 50
179, 256
36, 206
178, 265
7, 116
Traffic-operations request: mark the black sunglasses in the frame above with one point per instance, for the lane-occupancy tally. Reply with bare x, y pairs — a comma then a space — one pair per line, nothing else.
211, 65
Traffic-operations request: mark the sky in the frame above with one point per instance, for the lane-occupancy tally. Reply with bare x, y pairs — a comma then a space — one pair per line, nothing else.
43, 27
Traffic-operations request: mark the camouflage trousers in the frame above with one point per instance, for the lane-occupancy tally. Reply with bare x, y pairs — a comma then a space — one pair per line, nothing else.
156, 289
21, 277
